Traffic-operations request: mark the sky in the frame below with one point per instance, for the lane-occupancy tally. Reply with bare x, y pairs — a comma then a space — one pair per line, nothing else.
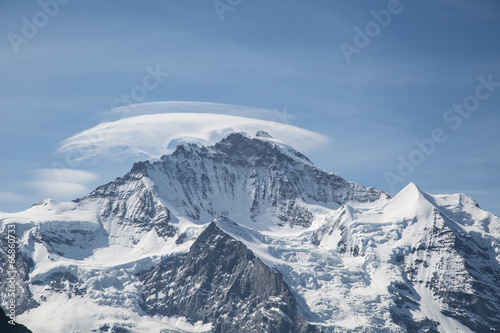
382, 92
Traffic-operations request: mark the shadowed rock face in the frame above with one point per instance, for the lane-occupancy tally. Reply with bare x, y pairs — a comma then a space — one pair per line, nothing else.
6, 327
458, 271
220, 281
19, 277
129, 201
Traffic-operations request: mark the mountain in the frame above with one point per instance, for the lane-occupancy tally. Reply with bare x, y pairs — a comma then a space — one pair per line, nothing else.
436, 258
249, 235
246, 179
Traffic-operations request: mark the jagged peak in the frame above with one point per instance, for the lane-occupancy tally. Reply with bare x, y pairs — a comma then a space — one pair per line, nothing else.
243, 145
413, 193
49, 203
140, 167
348, 211
411, 189
259, 145
263, 134
411, 199
236, 230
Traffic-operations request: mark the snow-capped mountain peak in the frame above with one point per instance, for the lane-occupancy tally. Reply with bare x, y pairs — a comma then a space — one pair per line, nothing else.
250, 180
410, 201
248, 234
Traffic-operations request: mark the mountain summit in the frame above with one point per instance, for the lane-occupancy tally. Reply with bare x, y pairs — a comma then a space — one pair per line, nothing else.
257, 181
249, 235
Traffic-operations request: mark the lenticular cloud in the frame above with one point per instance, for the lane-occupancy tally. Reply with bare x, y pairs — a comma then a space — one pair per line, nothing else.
153, 135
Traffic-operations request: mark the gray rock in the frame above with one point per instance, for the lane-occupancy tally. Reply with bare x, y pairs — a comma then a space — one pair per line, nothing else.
220, 281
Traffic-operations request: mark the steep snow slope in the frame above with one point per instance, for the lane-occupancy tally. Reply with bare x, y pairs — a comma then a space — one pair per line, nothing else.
343, 257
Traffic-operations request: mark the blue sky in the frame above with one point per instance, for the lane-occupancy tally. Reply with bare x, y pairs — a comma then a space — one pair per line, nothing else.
286, 56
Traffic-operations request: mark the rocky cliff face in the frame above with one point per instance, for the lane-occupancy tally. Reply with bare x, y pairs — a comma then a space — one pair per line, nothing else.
220, 281
459, 268
14, 274
250, 179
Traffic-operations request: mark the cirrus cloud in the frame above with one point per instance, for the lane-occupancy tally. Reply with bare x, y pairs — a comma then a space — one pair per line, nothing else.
66, 175
58, 190
61, 183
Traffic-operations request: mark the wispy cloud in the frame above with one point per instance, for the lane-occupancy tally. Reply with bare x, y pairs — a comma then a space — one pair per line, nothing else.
58, 190
61, 183
66, 175
191, 107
